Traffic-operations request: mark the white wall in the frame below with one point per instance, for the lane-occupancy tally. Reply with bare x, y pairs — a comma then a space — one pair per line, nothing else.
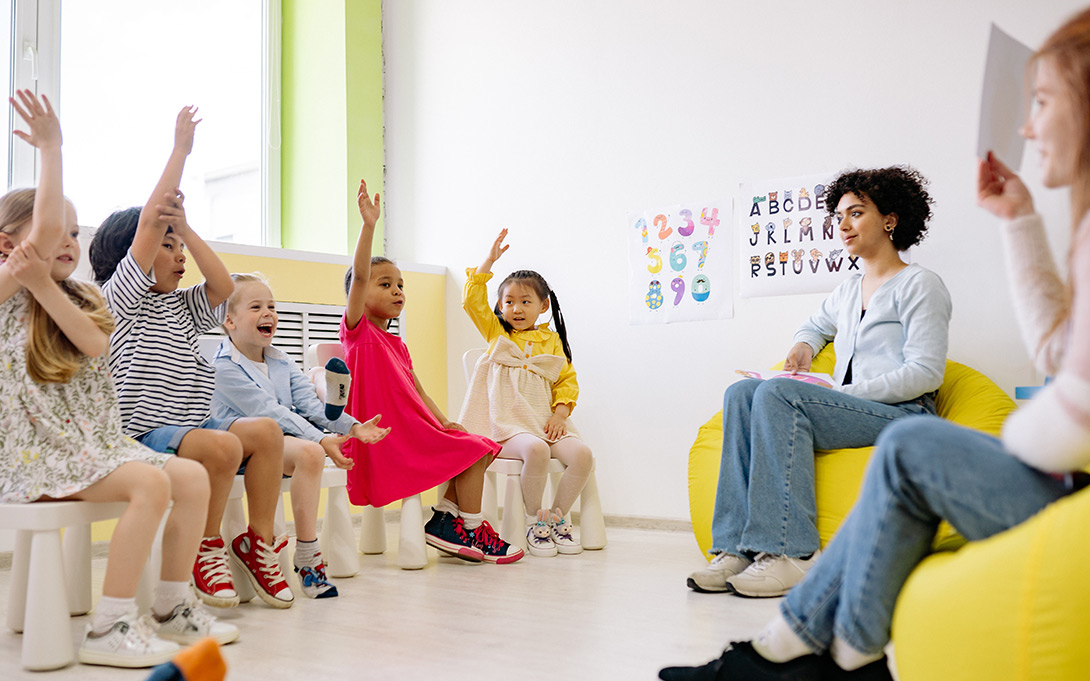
555, 119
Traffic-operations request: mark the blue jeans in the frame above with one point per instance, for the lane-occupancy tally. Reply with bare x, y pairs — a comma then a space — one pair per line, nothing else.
765, 498
923, 470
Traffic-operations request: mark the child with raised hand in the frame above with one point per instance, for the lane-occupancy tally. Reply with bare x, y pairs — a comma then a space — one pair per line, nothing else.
165, 386
424, 448
62, 431
254, 378
522, 392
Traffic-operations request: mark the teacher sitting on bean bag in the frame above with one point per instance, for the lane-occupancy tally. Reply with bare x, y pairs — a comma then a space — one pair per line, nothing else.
889, 329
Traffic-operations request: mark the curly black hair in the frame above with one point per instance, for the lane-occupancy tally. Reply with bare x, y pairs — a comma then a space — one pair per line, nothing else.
897, 189
112, 241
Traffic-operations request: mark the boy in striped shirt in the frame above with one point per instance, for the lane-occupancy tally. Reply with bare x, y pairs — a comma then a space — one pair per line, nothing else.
165, 386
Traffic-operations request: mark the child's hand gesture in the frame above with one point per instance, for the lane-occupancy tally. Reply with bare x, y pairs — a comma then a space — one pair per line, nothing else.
332, 446
184, 128
172, 212
368, 431
494, 253
555, 427
369, 210
45, 129
28, 268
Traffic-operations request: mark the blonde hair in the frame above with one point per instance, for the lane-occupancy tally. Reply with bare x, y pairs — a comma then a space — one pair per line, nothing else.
241, 278
1068, 50
50, 356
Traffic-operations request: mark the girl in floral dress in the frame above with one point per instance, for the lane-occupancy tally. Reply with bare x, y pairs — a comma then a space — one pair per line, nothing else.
62, 428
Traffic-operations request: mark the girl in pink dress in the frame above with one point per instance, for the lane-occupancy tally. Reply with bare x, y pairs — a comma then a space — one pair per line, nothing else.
424, 448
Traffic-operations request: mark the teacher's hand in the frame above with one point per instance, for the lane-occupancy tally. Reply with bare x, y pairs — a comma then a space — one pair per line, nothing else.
1000, 191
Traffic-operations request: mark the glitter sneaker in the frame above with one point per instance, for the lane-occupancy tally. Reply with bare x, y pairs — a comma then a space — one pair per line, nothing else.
189, 623
131, 642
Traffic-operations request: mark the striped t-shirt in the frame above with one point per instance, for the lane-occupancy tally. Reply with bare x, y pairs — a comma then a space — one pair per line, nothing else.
162, 380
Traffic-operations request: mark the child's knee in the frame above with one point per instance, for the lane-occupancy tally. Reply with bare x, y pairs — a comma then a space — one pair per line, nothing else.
312, 459
582, 461
188, 482
220, 453
152, 491
537, 457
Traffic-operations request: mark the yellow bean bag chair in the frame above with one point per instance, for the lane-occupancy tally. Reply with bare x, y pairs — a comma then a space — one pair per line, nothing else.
1014, 607
966, 397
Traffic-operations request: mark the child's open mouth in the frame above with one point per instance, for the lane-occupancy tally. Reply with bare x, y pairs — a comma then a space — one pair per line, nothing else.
265, 330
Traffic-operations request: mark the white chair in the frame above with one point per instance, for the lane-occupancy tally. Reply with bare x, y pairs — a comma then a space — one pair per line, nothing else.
49, 583
592, 526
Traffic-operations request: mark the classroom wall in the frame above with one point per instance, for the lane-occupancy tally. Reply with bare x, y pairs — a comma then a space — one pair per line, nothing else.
556, 119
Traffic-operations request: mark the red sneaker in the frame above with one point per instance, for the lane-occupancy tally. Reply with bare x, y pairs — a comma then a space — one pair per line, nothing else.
495, 550
212, 574
259, 562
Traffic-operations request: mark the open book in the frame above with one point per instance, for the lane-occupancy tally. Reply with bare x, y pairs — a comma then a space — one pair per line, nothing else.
824, 380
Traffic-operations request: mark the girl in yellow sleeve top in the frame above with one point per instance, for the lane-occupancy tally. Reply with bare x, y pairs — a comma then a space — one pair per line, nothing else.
522, 392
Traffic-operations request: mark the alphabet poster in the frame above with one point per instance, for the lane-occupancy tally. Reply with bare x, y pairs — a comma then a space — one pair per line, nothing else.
787, 242
680, 263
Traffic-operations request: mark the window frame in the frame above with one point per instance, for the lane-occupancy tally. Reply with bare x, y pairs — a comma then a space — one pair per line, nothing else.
36, 63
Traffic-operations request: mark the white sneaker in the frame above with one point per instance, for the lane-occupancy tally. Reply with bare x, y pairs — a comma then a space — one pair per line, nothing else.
770, 575
189, 623
130, 642
713, 579
562, 535
539, 540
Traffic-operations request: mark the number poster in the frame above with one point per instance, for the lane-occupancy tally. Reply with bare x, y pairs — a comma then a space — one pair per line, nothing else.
787, 242
680, 263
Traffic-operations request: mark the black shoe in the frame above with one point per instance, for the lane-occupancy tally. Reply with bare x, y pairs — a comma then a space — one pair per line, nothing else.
448, 534
740, 662
875, 671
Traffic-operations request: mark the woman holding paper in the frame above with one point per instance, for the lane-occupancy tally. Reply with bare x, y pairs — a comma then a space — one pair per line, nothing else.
926, 469
889, 328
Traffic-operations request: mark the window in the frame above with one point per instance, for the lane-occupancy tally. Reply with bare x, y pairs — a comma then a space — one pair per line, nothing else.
121, 70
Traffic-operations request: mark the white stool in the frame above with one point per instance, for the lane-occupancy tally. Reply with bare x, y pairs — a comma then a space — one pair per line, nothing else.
47, 583
412, 551
592, 526
337, 540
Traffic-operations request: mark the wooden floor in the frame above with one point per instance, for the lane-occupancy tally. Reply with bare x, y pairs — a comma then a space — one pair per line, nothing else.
619, 613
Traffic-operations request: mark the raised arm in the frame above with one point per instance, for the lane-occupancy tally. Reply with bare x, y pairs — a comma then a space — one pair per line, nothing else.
31, 269
150, 229
475, 293
218, 282
47, 221
361, 260
494, 253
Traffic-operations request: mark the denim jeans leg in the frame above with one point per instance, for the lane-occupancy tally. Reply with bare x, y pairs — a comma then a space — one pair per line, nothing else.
790, 419
731, 512
924, 469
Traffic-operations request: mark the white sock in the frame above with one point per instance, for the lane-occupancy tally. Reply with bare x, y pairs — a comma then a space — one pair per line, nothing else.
447, 506
169, 595
472, 520
337, 380
110, 610
307, 553
778, 642
848, 658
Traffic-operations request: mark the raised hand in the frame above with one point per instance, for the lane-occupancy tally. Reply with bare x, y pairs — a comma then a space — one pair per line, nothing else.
184, 127
45, 129
172, 212
498, 248
798, 358
28, 267
1000, 191
369, 210
369, 431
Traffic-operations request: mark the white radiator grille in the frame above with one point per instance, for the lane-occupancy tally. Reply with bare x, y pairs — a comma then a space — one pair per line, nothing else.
300, 326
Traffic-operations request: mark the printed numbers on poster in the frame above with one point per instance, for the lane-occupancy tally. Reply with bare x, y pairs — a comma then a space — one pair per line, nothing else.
678, 287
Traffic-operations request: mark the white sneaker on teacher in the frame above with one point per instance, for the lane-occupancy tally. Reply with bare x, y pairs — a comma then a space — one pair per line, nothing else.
770, 576
713, 579
131, 642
